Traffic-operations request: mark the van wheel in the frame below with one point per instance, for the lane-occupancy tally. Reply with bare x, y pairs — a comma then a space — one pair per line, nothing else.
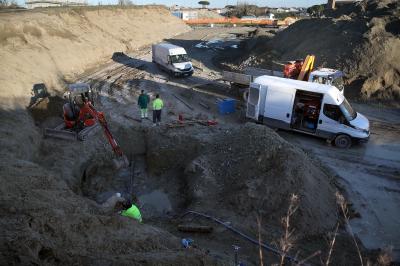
343, 141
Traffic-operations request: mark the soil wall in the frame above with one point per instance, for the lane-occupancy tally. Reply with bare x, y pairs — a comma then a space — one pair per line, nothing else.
54, 45
50, 45
361, 39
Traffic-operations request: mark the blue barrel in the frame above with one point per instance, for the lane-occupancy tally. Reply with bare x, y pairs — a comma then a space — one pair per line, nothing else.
226, 106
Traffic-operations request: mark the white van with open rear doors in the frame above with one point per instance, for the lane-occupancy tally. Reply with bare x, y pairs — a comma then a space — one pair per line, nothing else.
173, 59
307, 107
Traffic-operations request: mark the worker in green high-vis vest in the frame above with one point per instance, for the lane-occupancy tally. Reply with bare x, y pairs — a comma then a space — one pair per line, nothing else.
158, 105
133, 212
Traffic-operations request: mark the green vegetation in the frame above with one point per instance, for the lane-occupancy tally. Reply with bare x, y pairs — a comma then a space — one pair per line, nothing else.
204, 3
244, 9
316, 10
8, 4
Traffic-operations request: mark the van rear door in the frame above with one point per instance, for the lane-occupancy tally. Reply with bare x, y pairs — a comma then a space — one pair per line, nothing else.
256, 101
253, 101
279, 105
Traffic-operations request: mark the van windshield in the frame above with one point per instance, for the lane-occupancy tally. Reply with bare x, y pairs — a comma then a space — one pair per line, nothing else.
180, 58
347, 110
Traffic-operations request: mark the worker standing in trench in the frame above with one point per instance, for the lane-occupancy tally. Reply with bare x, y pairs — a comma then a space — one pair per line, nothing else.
157, 107
129, 209
143, 101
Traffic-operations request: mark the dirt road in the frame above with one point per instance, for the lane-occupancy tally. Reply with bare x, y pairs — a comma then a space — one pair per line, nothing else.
370, 175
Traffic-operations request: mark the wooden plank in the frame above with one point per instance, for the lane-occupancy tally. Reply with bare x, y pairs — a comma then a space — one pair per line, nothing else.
192, 228
204, 105
185, 103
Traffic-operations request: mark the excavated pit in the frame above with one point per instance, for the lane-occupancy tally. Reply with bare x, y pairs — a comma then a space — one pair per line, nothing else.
232, 173
235, 173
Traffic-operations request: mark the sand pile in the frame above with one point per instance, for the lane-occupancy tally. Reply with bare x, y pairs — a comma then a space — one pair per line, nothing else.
49, 45
237, 173
360, 39
53, 45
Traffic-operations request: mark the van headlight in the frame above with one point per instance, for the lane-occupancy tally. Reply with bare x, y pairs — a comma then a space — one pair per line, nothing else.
366, 131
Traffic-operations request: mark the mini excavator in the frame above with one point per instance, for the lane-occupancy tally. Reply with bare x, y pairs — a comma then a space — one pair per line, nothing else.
81, 120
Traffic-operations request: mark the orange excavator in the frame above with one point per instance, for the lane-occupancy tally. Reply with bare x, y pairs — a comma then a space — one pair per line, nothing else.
299, 69
81, 119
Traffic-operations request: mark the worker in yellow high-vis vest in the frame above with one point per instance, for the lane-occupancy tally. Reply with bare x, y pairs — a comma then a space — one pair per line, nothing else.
157, 107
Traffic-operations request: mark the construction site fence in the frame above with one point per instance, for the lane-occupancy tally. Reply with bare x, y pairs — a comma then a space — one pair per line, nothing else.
237, 21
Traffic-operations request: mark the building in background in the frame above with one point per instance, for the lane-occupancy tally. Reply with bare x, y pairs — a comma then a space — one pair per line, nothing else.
52, 3
185, 14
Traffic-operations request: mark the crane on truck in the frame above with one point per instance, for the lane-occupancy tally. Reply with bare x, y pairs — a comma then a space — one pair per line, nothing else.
81, 119
300, 69
304, 70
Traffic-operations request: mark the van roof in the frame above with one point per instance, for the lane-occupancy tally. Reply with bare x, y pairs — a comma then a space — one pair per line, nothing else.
168, 45
335, 97
172, 49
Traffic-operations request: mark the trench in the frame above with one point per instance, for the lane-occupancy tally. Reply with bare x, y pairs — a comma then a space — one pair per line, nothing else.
157, 195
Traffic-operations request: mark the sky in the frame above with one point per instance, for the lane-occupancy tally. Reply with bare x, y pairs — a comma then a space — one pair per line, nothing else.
215, 3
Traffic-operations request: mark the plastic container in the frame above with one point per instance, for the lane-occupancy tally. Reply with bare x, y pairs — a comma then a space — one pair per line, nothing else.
226, 106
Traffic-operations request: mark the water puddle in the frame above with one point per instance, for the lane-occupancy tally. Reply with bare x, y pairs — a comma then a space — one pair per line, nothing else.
155, 203
220, 44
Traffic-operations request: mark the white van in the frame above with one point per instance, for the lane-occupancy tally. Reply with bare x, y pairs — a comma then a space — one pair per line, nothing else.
172, 58
306, 107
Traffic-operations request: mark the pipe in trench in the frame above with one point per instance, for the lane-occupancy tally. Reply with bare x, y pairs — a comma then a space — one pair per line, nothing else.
252, 240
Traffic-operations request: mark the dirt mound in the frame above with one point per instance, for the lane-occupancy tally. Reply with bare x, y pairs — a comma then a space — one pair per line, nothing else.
361, 39
49, 46
46, 217
204, 13
47, 107
237, 173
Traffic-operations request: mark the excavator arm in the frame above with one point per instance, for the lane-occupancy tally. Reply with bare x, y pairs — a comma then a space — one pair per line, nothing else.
307, 67
88, 109
299, 69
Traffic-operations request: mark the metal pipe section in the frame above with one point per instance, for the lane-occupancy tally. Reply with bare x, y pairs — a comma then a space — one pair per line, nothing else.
252, 240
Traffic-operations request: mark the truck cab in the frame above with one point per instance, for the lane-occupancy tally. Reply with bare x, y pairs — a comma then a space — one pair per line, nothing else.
328, 76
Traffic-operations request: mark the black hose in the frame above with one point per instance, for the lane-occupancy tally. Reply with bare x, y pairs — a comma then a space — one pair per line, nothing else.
252, 240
